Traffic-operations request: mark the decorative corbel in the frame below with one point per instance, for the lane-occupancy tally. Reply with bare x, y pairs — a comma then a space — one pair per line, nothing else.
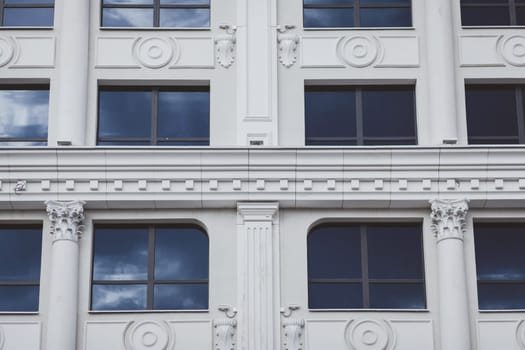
287, 45
225, 329
225, 45
293, 329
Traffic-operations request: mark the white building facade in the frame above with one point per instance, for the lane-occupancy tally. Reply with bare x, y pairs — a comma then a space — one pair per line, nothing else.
242, 212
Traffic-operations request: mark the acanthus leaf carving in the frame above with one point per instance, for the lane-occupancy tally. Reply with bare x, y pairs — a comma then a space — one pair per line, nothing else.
449, 218
225, 334
225, 46
288, 43
66, 219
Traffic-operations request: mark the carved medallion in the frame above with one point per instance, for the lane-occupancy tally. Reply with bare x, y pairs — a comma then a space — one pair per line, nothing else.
7, 51
149, 335
154, 52
513, 50
359, 51
520, 334
370, 335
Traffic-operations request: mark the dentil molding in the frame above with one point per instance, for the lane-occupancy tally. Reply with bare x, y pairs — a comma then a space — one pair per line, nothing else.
449, 218
225, 46
66, 219
148, 335
288, 43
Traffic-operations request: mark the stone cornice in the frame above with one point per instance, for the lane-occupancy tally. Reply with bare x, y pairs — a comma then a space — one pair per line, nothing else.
449, 218
295, 178
65, 219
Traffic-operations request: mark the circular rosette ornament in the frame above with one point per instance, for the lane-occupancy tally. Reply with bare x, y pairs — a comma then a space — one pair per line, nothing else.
370, 335
520, 334
359, 51
513, 50
6, 51
154, 52
148, 335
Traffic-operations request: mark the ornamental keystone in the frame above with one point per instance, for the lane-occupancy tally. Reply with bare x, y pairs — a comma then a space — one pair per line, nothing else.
449, 218
66, 219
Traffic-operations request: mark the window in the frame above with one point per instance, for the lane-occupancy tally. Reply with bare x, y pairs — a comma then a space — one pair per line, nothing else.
495, 114
500, 265
357, 13
23, 115
492, 12
155, 267
156, 13
355, 266
154, 116
20, 254
368, 115
27, 13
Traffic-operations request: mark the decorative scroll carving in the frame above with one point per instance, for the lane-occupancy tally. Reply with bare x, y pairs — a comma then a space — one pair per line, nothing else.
225, 334
449, 218
293, 334
20, 186
359, 51
7, 51
149, 335
287, 45
153, 52
66, 219
520, 334
225, 46
513, 50
370, 335
228, 310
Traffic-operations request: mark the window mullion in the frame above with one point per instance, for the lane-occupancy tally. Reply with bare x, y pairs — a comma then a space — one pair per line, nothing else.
154, 114
521, 114
151, 266
359, 116
364, 268
357, 10
2, 12
156, 13
512, 14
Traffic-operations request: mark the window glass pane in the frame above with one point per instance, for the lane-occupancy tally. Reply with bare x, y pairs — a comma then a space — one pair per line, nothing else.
19, 298
30, 17
330, 114
491, 111
501, 296
24, 113
323, 18
120, 254
181, 297
335, 296
520, 15
181, 254
389, 112
124, 17
394, 251
124, 114
481, 16
499, 251
20, 253
385, 17
397, 296
183, 114
119, 297
185, 18
334, 252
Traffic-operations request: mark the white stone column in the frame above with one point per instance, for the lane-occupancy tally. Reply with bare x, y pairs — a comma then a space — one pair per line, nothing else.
258, 274
448, 224
71, 86
66, 225
441, 67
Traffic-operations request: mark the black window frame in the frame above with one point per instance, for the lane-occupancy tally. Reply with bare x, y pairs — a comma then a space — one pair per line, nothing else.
25, 283
360, 138
365, 280
151, 281
153, 139
512, 6
27, 87
3, 6
156, 6
356, 6
519, 93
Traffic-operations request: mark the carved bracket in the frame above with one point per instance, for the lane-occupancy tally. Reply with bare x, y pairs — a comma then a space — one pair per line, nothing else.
225, 46
225, 334
449, 218
293, 334
288, 43
66, 219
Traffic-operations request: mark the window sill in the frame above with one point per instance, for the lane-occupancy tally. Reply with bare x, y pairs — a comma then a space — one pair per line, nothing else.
27, 28
155, 29
19, 313
503, 311
371, 310
311, 29
94, 312
494, 27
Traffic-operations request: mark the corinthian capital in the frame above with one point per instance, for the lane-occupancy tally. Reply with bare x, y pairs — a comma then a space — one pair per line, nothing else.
66, 219
449, 218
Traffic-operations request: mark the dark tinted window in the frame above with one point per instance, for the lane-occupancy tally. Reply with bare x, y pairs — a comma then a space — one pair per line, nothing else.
150, 268
346, 115
20, 254
492, 12
23, 116
156, 13
362, 13
139, 116
500, 265
377, 266
27, 13
495, 114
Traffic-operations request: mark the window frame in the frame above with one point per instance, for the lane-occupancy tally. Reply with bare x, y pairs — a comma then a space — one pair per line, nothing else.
365, 280
3, 6
153, 139
511, 5
150, 282
360, 117
156, 7
356, 7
